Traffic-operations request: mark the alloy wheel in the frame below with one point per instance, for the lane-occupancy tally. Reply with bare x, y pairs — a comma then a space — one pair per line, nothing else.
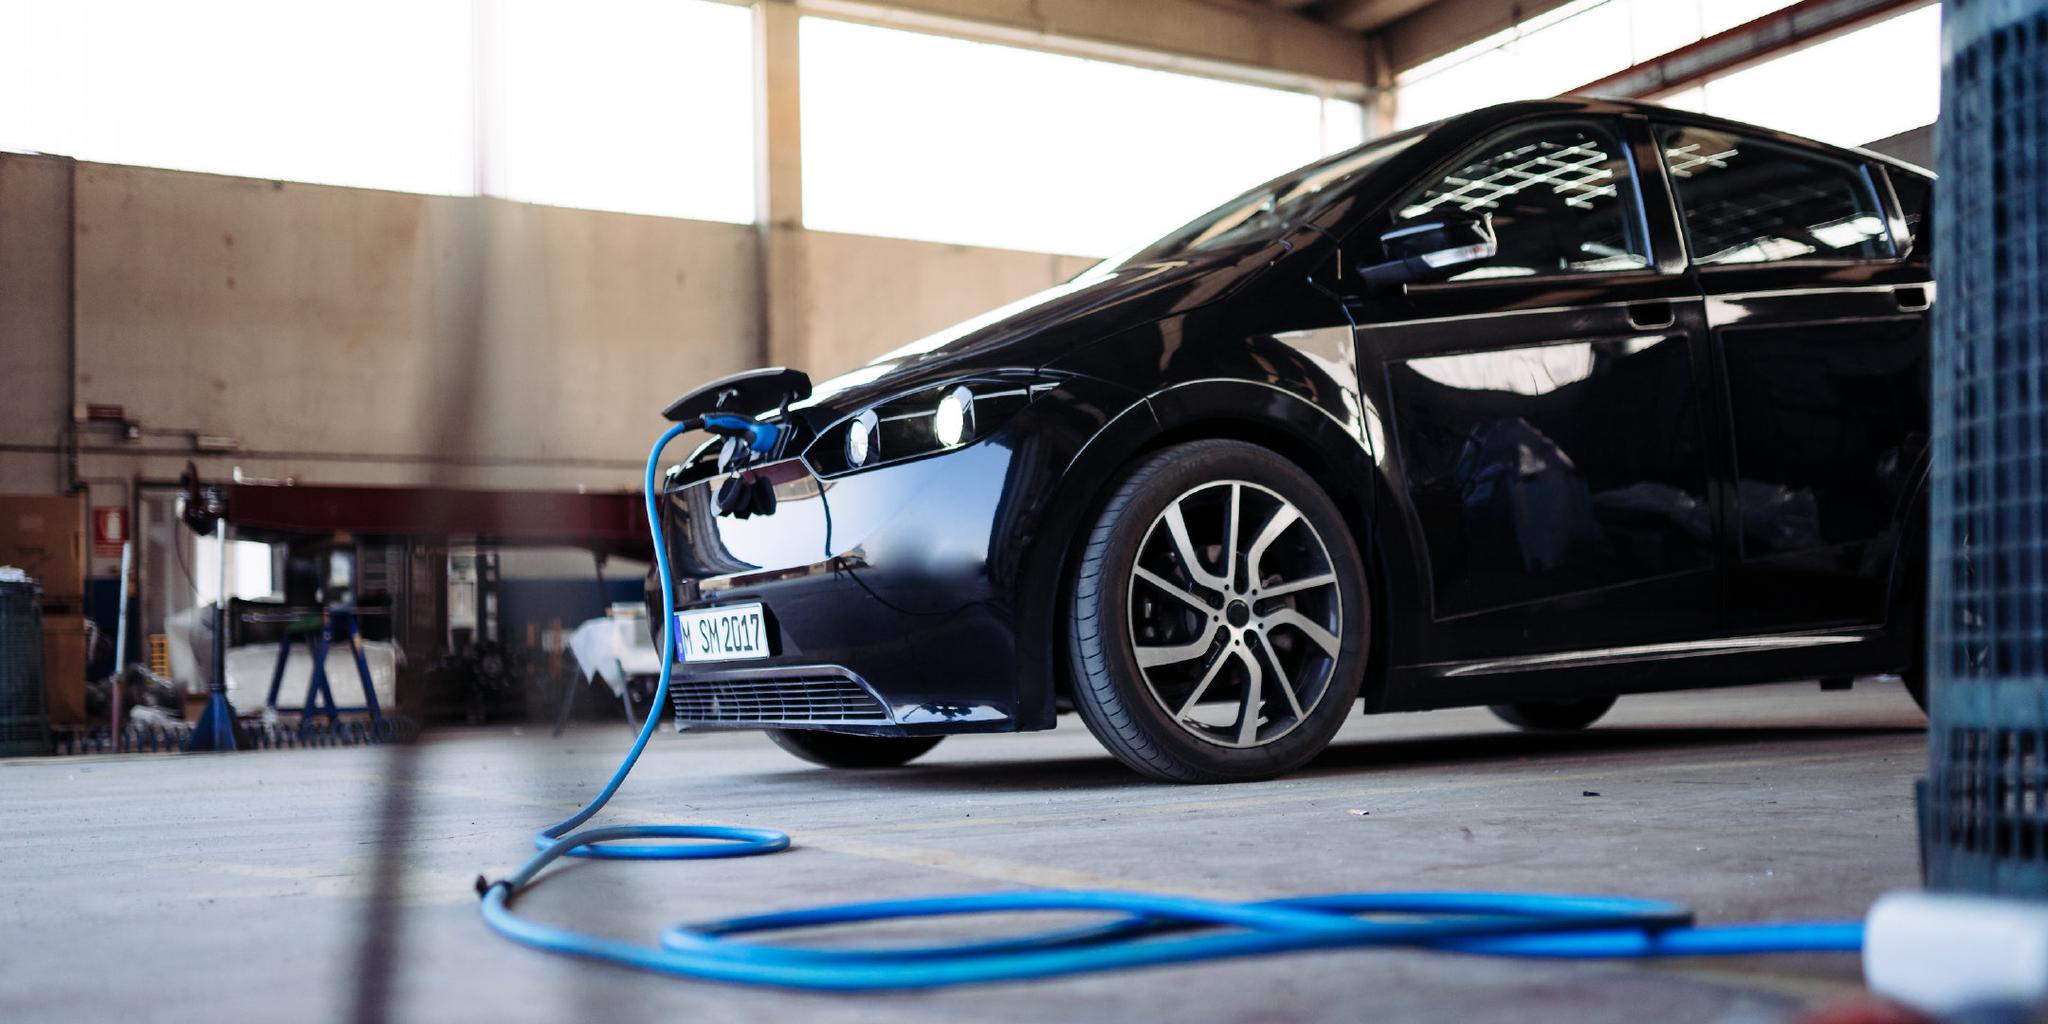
1235, 613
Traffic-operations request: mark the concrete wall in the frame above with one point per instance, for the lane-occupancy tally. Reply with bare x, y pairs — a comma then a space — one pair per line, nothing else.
35, 322
431, 338
348, 335
866, 295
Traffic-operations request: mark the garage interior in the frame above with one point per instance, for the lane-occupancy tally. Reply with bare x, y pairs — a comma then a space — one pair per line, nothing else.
330, 328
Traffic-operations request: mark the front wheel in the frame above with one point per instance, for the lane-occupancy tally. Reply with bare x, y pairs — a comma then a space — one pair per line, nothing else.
839, 750
1218, 620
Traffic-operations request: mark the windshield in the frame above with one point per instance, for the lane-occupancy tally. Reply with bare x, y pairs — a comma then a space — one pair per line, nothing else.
1267, 212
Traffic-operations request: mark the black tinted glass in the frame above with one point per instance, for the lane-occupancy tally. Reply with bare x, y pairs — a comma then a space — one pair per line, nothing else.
1916, 202
1267, 212
1747, 201
1560, 198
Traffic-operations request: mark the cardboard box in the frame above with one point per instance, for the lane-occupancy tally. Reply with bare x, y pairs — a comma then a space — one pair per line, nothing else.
64, 661
45, 537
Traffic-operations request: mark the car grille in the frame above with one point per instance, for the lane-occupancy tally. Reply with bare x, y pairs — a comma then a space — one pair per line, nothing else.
810, 697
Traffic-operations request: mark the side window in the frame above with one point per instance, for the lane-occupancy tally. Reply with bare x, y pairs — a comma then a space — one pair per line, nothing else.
1916, 202
1747, 201
1560, 197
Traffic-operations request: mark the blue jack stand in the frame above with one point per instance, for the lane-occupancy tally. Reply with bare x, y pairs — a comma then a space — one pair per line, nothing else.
215, 729
339, 623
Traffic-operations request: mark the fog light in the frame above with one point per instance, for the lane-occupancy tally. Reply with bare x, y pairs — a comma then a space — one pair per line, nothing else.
860, 439
954, 419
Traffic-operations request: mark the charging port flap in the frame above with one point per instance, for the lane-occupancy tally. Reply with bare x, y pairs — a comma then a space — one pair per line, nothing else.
745, 394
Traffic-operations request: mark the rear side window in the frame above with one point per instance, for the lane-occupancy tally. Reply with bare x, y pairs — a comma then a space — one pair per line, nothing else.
1559, 195
1748, 201
1916, 203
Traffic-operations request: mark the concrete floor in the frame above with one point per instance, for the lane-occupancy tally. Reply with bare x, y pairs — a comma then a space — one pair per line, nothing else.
236, 887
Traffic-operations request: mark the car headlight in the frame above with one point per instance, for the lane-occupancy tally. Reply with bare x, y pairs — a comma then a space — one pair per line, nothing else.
954, 419
860, 439
922, 422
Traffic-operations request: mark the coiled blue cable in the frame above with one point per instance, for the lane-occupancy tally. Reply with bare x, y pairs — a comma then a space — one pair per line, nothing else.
1148, 930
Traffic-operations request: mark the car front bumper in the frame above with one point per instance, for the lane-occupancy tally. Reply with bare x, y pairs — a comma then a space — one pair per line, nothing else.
888, 596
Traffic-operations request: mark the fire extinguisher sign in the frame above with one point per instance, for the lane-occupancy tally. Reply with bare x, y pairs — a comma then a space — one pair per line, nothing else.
109, 530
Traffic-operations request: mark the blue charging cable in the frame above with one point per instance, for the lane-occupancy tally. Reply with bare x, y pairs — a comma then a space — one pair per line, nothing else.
1147, 929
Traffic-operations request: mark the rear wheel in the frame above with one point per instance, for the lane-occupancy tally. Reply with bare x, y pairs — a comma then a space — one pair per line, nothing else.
1218, 619
839, 750
1553, 715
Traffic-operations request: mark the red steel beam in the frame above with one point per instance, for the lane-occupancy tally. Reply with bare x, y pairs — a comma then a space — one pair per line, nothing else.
614, 522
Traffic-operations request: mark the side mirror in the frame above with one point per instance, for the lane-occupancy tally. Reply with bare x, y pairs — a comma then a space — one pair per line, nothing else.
1425, 249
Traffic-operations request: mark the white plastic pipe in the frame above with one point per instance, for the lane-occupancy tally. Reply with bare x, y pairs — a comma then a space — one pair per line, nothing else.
1945, 953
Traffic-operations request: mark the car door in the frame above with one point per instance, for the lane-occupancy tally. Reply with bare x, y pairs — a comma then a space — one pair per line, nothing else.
1547, 442
1818, 316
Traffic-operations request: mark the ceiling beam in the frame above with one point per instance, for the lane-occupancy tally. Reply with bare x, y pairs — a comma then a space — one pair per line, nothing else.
1773, 34
1366, 15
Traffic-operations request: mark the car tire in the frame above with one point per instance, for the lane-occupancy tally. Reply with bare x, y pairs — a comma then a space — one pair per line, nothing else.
840, 750
1152, 585
1553, 715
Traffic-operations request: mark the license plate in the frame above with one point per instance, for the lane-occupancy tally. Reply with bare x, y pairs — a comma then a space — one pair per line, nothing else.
725, 633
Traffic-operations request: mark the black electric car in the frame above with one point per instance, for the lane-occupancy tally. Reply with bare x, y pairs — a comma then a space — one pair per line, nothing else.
1529, 408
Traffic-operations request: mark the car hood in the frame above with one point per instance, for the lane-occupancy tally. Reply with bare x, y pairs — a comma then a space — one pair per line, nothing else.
1033, 331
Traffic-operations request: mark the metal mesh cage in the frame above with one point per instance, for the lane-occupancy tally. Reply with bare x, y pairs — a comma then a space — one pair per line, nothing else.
1984, 805
24, 719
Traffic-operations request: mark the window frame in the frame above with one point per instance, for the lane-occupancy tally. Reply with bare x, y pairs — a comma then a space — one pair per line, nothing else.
1614, 126
1903, 231
1883, 203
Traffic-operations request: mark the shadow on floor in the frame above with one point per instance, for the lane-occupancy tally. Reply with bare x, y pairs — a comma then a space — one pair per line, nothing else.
1349, 756
1476, 748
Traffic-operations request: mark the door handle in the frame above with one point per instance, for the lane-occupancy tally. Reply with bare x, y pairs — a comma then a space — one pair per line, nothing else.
1651, 316
1912, 298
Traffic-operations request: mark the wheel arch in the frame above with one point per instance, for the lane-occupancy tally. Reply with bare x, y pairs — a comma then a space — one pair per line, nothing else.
1303, 432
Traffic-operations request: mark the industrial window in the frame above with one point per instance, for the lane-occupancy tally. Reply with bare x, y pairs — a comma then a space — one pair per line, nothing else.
920, 136
250, 572
1894, 65
1562, 49
642, 106
639, 106
373, 93
1560, 197
1891, 69
1747, 201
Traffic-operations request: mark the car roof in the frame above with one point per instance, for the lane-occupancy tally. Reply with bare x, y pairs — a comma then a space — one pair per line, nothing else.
1516, 109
